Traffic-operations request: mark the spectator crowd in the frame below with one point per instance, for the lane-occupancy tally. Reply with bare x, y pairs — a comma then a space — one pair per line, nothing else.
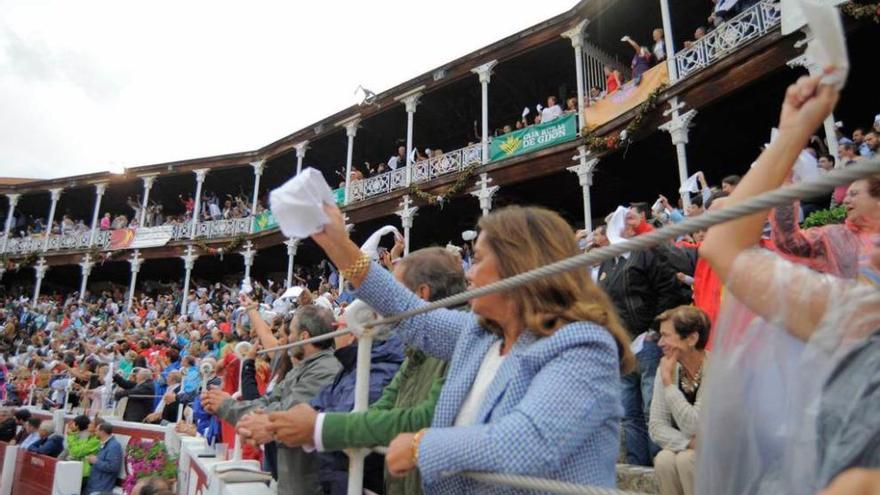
543, 380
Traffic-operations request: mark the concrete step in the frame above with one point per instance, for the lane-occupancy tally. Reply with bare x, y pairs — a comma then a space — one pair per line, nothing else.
636, 479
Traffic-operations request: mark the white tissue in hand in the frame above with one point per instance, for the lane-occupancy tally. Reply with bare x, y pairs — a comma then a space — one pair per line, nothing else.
828, 46
371, 247
298, 204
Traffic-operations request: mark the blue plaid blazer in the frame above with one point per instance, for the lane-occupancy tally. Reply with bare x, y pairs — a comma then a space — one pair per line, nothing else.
552, 411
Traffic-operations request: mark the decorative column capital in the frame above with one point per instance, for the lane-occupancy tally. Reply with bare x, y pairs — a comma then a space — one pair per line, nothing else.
135, 261
411, 102
148, 180
485, 192
248, 253
292, 245
805, 60
678, 125
301, 148
100, 188
258, 167
200, 174
587, 164
350, 124
411, 98
86, 265
189, 258
13, 199
576, 34
55, 193
40, 268
407, 212
351, 128
485, 71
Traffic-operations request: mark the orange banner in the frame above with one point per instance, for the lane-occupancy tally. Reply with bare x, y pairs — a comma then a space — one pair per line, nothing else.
626, 97
121, 238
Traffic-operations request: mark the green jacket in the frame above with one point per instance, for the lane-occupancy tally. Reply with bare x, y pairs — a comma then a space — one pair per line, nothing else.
406, 405
79, 448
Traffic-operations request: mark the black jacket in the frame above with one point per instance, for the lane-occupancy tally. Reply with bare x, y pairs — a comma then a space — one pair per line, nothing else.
138, 407
8, 429
249, 388
169, 412
641, 287
680, 259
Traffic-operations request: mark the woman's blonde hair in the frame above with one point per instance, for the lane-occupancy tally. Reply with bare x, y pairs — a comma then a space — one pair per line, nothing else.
525, 238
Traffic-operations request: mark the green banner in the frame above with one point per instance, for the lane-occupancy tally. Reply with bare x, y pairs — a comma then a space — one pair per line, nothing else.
339, 194
533, 138
265, 221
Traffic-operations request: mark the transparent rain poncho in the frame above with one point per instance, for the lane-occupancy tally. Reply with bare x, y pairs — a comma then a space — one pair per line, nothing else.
784, 415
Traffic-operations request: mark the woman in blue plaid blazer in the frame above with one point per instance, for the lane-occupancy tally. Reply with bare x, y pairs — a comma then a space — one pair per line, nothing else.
552, 408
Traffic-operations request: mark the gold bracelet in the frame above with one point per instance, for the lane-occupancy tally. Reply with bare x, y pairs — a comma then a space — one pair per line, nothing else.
415, 444
357, 269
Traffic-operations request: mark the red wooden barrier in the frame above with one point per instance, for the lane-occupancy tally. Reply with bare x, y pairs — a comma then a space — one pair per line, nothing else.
138, 434
34, 474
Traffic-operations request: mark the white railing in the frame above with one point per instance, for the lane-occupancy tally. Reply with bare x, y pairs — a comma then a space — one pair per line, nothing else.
422, 171
729, 37
214, 229
79, 240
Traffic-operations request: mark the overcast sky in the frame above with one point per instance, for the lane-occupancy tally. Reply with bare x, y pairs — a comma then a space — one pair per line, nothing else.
86, 85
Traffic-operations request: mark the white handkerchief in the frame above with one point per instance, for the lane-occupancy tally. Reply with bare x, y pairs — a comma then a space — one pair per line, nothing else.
616, 224
298, 204
828, 46
525, 111
806, 168
371, 247
292, 293
691, 185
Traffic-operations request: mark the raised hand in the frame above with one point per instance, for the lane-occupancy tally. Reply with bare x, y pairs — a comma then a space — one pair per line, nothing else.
807, 103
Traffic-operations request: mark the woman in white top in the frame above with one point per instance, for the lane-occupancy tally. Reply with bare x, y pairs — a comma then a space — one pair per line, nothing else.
675, 407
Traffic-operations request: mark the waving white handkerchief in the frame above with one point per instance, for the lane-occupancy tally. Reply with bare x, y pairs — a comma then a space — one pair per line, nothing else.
371, 247
828, 46
298, 204
691, 185
616, 224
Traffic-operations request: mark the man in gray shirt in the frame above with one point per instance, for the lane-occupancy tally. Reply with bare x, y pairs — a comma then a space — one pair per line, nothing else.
297, 470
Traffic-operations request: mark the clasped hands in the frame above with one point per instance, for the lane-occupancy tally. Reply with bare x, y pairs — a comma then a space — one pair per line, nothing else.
296, 427
293, 428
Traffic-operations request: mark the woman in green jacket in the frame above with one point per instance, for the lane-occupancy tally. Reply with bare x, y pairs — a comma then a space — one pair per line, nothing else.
82, 442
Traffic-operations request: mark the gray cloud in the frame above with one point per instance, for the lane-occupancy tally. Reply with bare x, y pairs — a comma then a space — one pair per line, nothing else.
35, 61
